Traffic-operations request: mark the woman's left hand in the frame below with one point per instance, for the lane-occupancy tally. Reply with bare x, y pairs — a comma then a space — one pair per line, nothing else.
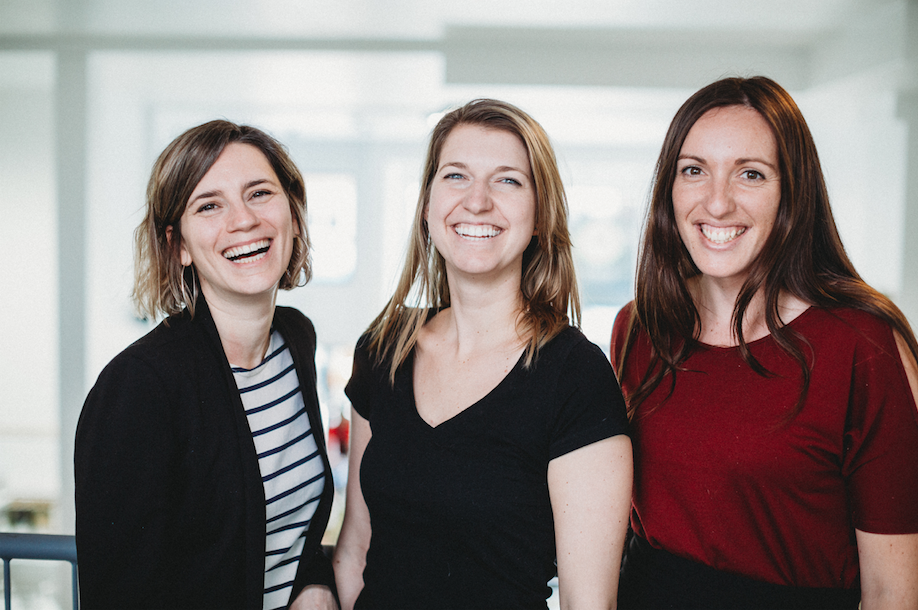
315, 597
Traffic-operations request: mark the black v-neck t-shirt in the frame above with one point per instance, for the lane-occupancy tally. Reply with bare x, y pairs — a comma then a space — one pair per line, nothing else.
460, 513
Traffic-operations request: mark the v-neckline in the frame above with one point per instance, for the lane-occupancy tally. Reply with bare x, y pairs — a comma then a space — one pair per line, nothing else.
475, 406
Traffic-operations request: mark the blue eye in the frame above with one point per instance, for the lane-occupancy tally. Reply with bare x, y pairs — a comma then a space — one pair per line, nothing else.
511, 181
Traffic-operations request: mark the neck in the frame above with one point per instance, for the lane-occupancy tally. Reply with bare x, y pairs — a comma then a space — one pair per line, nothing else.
244, 329
485, 316
715, 304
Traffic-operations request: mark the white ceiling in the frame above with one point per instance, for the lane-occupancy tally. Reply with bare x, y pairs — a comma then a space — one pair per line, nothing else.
604, 43
418, 19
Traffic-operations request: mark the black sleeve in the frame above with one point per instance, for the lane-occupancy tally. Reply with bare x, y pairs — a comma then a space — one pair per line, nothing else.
590, 403
123, 449
364, 379
315, 569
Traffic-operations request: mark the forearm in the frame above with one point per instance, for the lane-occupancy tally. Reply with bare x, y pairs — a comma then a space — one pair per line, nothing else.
354, 541
349, 563
889, 570
591, 495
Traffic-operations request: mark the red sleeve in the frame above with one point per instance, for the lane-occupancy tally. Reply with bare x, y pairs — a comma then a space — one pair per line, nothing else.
881, 441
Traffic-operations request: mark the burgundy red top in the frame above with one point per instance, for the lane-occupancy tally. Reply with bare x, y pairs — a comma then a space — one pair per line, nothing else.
716, 480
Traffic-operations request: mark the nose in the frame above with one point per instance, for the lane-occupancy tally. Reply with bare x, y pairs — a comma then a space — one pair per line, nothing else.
242, 217
478, 197
720, 202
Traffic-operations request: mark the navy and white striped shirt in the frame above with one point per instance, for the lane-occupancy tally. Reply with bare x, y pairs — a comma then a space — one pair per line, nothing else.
288, 457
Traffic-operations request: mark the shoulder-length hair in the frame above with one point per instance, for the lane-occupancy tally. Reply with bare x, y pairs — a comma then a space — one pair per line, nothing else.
803, 255
548, 285
161, 284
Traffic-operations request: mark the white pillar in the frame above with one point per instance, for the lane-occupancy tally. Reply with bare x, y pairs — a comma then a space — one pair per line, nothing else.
70, 117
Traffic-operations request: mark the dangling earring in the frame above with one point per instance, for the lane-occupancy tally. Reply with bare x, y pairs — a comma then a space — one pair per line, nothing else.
194, 283
183, 284
189, 302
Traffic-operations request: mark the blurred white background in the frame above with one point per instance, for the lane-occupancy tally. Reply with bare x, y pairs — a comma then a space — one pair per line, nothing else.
92, 90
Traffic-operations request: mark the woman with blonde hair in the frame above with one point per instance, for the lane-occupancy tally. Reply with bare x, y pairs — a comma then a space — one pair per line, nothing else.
771, 390
201, 474
488, 433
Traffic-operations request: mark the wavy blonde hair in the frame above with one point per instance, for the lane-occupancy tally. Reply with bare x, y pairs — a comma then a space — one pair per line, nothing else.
548, 285
162, 286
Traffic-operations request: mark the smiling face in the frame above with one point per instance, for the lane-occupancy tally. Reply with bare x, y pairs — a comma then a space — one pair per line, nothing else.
727, 191
481, 212
237, 228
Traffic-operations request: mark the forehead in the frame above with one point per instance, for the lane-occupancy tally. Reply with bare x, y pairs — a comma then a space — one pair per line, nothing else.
239, 156
469, 142
732, 128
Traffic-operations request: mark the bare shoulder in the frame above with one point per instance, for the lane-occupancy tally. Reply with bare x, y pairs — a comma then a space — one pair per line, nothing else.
908, 362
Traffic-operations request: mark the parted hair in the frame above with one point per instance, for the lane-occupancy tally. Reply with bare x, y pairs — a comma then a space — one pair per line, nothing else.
803, 255
162, 286
548, 285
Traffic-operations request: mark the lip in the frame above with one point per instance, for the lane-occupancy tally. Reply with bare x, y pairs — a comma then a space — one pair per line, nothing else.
476, 231
721, 236
259, 246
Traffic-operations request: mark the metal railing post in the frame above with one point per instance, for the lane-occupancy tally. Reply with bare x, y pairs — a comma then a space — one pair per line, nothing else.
37, 546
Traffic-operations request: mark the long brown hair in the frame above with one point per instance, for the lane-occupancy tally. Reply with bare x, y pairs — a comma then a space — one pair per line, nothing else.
548, 285
803, 255
161, 284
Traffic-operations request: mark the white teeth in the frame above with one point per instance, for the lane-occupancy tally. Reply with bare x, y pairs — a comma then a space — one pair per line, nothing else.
722, 235
477, 231
238, 251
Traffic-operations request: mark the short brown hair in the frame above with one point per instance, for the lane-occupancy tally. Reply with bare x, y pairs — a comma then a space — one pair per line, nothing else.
161, 284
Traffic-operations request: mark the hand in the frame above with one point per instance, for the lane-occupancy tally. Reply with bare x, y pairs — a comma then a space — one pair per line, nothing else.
315, 597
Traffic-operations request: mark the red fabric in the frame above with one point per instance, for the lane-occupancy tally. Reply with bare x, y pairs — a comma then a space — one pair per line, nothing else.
717, 482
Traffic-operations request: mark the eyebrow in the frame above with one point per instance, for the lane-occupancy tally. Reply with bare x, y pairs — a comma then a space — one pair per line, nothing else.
740, 161
217, 193
502, 168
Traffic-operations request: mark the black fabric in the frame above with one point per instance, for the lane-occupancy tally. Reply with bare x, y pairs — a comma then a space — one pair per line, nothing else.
460, 513
169, 499
653, 579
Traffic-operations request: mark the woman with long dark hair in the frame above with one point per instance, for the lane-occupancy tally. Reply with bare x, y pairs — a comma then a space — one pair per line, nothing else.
771, 390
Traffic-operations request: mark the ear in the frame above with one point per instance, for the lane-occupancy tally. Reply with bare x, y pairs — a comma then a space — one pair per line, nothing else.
185, 255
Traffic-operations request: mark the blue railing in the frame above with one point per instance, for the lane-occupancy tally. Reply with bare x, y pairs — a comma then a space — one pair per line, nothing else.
37, 546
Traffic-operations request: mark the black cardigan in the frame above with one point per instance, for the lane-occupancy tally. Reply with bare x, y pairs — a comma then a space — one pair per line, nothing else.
170, 506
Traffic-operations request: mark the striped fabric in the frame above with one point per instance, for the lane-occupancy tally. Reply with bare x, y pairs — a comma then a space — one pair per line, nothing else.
289, 461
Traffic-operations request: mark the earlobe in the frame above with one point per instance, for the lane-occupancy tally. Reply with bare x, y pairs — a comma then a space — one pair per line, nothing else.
185, 257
